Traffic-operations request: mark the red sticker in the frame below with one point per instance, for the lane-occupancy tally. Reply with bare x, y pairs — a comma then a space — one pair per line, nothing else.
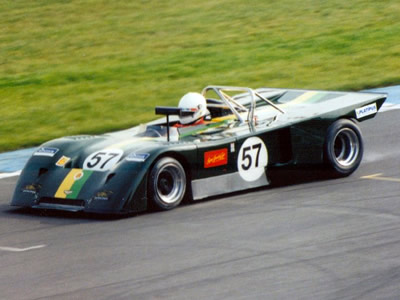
215, 158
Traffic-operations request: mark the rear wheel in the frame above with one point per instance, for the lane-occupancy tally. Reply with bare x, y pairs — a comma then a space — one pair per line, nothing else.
343, 147
167, 183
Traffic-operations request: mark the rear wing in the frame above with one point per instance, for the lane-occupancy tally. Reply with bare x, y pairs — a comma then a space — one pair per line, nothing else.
168, 111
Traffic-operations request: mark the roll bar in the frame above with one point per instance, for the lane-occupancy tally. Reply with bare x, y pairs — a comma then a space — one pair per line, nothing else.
230, 101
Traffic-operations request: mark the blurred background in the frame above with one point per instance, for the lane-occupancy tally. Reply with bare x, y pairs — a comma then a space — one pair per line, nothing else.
90, 66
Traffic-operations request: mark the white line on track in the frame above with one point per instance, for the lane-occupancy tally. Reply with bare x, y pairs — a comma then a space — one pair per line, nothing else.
12, 249
379, 176
5, 175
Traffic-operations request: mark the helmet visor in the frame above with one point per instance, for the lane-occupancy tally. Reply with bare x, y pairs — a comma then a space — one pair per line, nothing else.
187, 112
187, 115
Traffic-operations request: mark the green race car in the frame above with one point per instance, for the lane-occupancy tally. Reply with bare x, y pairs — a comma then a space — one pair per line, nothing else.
157, 165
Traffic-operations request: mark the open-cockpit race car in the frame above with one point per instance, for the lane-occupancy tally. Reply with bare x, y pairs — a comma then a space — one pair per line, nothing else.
158, 164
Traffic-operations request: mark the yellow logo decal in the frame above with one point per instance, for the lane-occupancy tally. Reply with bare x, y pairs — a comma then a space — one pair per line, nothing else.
78, 175
62, 161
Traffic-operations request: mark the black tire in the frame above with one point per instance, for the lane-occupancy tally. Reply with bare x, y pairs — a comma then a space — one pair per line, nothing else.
343, 149
167, 184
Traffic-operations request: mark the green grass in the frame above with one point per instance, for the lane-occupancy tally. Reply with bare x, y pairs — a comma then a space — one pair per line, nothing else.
91, 66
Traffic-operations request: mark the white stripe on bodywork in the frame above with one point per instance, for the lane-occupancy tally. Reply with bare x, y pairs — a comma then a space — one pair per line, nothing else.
216, 185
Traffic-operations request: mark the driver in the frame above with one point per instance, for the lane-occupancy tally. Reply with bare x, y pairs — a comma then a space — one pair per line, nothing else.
193, 110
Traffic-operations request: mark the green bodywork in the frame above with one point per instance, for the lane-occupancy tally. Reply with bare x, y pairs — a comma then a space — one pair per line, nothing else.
294, 134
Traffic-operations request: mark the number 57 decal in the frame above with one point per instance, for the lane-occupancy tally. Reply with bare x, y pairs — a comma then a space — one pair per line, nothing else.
252, 159
102, 160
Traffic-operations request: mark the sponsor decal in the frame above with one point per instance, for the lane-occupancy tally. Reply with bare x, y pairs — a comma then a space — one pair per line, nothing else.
72, 184
31, 189
102, 160
366, 110
139, 157
62, 161
252, 159
103, 195
46, 151
232, 147
215, 158
78, 175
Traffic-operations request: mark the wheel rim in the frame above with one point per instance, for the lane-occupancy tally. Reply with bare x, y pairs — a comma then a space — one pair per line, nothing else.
346, 147
170, 184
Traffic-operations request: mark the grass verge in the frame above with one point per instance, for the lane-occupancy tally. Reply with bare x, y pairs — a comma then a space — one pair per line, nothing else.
90, 66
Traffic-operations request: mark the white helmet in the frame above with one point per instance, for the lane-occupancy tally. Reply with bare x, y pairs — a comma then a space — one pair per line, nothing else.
193, 107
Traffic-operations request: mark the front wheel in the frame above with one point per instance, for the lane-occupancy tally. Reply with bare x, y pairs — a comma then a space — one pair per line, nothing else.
343, 147
167, 183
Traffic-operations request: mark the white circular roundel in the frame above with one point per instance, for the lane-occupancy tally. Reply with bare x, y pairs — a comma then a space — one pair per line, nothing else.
252, 159
102, 160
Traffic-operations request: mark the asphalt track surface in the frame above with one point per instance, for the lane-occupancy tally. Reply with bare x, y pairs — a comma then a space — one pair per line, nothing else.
304, 238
